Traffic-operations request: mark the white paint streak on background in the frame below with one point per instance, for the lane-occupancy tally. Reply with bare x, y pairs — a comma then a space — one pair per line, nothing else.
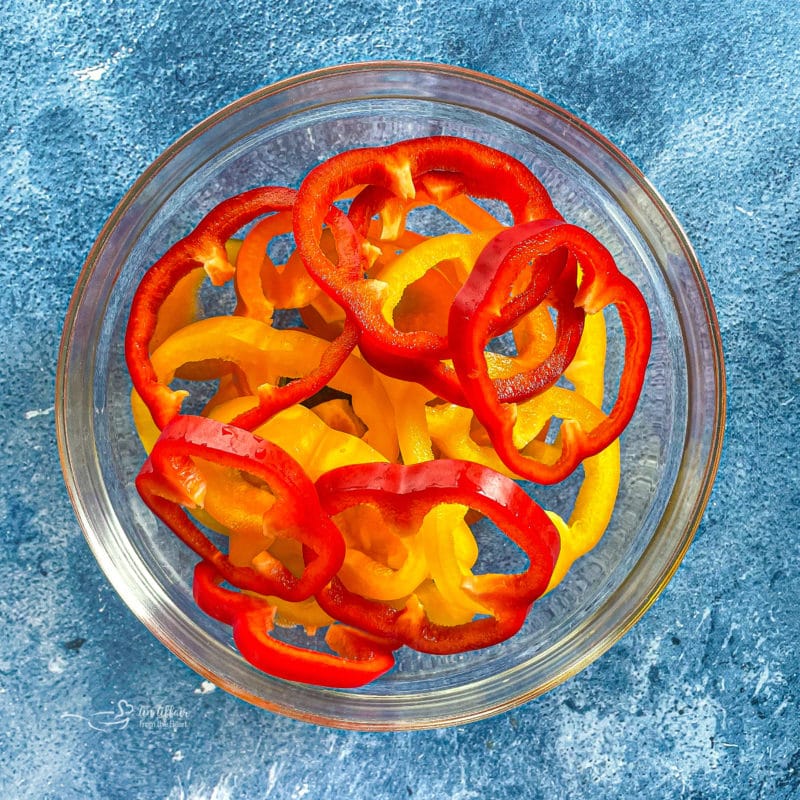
201, 791
38, 412
97, 71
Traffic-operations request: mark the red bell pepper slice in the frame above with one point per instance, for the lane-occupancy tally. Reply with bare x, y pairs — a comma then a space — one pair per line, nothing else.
204, 248
169, 479
406, 493
360, 658
483, 171
372, 199
475, 310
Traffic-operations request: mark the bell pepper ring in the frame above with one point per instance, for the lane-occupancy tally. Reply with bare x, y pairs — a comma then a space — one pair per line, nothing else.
513, 385
445, 190
205, 248
444, 529
486, 173
169, 478
262, 355
360, 658
407, 494
319, 449
476, 307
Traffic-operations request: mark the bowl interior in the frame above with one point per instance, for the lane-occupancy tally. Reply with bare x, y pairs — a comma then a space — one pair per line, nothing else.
669, 451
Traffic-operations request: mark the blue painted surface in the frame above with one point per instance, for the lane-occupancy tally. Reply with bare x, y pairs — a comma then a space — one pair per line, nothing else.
700, 700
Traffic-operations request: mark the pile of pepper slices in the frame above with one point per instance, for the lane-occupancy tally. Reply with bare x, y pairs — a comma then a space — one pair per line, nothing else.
345, 456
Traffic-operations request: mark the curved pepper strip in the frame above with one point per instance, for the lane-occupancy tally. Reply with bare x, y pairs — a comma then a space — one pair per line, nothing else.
531, 331
407, 493
205, 247
235, 508
273, 399
587, 370
360, 658
448, 544
443, 533
451, 427
594, 504
413, 264
238, 342
601, 285
473, 318
592, 511
446, 191
485, 172
169, 479
262, 285
251, 260
180, 307
318, 448
263, 354
597, 495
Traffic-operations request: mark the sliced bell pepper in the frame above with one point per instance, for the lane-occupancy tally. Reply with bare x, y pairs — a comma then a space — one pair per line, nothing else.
478, 305
263, 355
461, 338
516, 377
262, 285
180, 307
484, 172
170, 479
320, 449
359, 658
594, 504
317, 448
205, 248
443, 531
407, 493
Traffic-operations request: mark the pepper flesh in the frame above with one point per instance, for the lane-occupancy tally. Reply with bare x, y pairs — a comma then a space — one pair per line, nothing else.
205, 248
485, 172
414, 308
169, 479
601, 284
360, 658
407, 493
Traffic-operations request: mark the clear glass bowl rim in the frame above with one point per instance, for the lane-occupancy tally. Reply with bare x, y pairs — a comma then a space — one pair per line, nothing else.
393, 715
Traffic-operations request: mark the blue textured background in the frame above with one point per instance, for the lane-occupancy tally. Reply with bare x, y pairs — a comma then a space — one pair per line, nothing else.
700, 700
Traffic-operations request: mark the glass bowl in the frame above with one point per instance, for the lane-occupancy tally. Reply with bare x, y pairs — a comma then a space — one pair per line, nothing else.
274, 136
